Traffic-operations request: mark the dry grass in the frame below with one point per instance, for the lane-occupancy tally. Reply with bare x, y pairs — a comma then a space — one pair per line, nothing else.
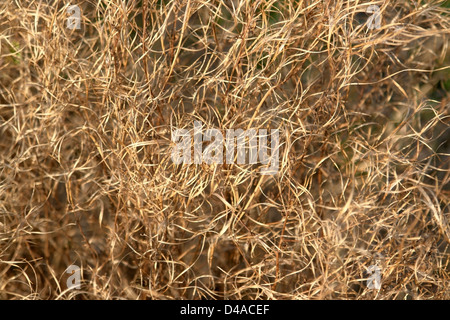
86, 176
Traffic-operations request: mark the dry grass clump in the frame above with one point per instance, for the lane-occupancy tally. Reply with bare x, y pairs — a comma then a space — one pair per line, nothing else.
86, 176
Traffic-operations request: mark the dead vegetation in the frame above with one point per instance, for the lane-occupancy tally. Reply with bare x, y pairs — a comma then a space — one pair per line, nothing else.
86, 176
